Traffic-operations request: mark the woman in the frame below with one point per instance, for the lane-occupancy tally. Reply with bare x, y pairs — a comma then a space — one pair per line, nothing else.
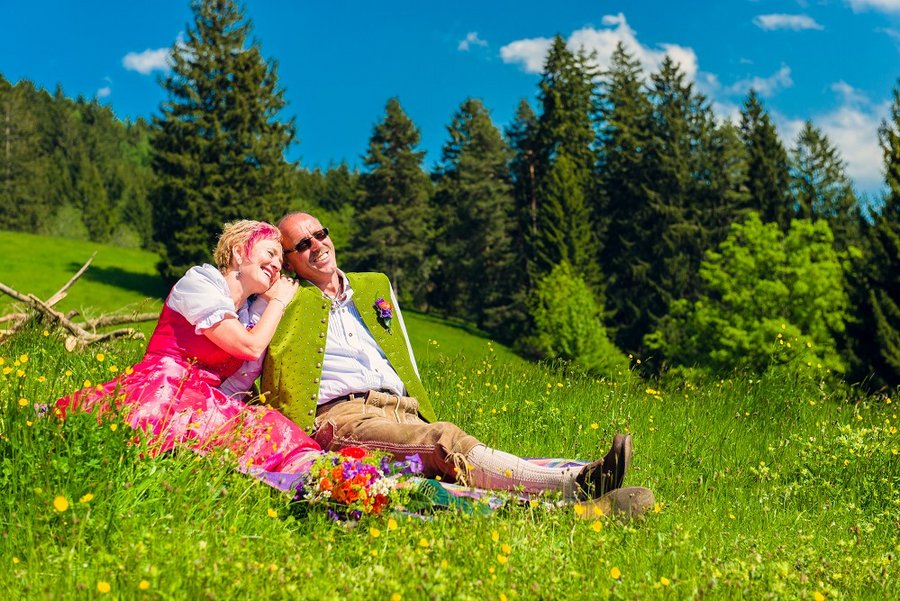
207, 331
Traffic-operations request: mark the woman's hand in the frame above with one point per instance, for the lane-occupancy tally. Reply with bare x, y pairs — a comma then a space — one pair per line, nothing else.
282, 290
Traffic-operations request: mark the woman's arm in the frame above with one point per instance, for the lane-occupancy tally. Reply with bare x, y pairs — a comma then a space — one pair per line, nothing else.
231, 336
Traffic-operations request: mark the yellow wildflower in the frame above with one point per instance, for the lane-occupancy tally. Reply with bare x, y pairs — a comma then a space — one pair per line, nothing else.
596, 526
86, 498
60, 503
103, 587
615, 573
143, 585
374, 532
272, 513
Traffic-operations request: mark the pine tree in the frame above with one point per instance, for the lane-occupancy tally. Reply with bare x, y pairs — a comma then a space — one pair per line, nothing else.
821, 188
767, 164
624, 138
394, 219
474, 221
564, 165
876, 277
219, 145
23, 199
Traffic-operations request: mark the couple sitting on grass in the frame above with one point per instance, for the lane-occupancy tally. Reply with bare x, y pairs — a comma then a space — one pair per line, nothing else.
339, 364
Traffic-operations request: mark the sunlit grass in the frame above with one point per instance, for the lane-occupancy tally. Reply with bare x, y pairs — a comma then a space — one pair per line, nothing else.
767, 487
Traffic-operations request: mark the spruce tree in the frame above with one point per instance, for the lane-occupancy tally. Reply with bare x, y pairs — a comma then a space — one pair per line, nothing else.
821, 188
475, 224
767, 164
23, 198
218, 148
394, 220
624, 138
876, 277
564, 165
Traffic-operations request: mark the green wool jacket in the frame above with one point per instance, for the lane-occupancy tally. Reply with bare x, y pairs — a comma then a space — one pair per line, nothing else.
293, 366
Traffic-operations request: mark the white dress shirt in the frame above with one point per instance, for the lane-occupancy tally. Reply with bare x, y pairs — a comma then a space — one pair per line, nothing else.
353, 361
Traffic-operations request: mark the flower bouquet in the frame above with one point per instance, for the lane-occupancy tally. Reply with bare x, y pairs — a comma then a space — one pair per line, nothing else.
354, 481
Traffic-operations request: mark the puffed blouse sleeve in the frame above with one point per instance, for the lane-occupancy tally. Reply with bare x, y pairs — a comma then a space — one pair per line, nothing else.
202, 297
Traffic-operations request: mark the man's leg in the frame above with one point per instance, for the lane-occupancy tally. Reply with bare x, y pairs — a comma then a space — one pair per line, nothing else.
392, 424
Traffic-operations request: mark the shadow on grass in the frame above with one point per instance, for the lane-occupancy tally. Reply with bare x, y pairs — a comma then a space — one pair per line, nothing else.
146, 284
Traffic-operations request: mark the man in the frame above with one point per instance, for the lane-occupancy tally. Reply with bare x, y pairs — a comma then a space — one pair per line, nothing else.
342, 367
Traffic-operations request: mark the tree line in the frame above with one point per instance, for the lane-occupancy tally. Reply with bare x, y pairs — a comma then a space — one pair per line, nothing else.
615, 216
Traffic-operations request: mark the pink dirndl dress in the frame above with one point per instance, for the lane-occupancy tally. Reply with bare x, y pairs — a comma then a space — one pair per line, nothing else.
173, 396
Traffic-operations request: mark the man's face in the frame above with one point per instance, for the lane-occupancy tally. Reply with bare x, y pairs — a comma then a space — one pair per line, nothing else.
316, 263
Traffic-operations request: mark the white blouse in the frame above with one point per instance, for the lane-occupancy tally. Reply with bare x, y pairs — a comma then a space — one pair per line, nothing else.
202, 297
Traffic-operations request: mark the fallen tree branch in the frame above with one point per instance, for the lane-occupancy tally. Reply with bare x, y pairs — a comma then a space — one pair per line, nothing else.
80, 334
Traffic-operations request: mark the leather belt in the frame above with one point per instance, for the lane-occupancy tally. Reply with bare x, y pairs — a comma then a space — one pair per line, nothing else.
356, 395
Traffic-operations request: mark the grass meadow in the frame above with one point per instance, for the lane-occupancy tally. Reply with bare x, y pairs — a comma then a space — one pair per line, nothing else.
771, 487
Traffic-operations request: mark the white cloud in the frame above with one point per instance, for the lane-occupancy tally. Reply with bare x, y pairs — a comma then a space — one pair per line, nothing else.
472, 39
764, 86
104, 92
782, 21
852, 127
530, 53
147, 61
887, 6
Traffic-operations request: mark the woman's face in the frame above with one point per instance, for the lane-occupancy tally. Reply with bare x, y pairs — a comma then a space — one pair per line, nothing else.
262, 266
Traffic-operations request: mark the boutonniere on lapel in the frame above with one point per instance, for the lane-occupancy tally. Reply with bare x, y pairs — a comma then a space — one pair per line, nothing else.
385, 312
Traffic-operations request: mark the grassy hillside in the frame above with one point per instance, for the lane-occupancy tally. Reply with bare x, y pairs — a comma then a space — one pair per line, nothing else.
123, 278
772, 487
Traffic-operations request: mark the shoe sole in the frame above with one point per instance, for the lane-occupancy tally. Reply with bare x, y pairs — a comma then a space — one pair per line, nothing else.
628, 502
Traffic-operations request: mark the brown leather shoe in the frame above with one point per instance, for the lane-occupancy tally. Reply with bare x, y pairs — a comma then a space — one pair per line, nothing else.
604, 475
627, 502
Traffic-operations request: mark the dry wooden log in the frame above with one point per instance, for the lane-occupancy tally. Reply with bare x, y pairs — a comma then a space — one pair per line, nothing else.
79, 334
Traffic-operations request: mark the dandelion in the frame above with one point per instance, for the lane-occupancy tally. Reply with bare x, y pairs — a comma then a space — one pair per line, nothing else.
60, 503
23, 358
818, 596
664, 581
657, 508
502, 597
272, 513
86, 498
143, 585
580, 509
615, 573
444, 564
374, 532
100, 356
396, 597
423, 542
495, 536
113, 369
596, 526
45, 333
374, 552
502, 558
88, 383
128, 371
595, 426
68, 373
16, 560
103, 587
114, 427
23, 402
392, 524
506, 548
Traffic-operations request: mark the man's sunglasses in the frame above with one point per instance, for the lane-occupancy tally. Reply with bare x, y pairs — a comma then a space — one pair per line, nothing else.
307, 242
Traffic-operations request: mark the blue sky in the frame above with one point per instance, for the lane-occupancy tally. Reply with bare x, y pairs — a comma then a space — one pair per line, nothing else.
833, 61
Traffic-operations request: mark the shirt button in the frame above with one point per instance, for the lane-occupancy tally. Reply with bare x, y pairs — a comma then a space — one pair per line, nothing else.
321, 334
350, 334
318, 365
323, 320
316, 380
310, 412
312, 397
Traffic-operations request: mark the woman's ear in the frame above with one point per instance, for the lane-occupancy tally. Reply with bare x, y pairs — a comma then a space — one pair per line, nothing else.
237, 255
